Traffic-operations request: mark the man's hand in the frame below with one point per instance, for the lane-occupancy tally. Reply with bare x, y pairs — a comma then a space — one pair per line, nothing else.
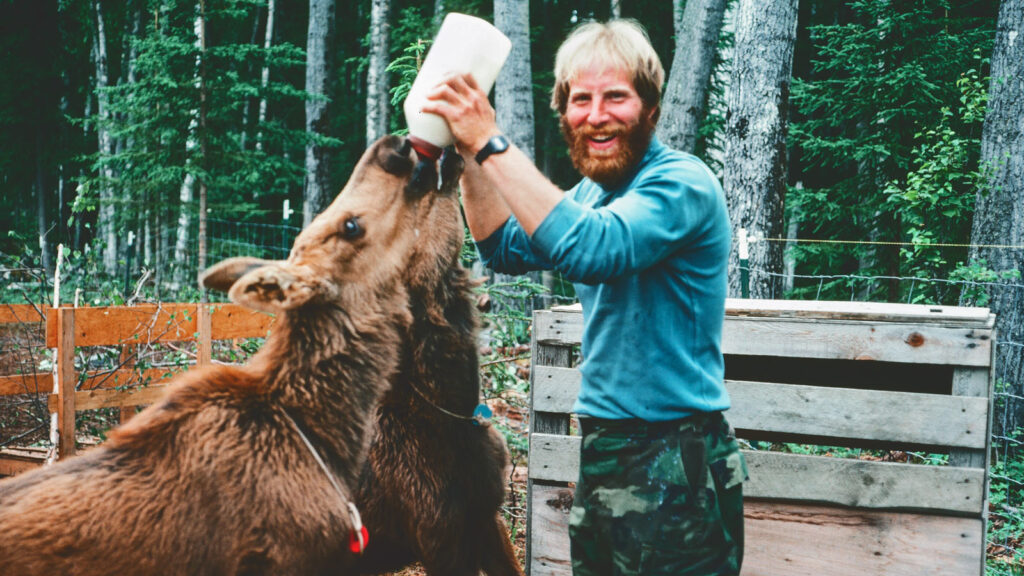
461, 102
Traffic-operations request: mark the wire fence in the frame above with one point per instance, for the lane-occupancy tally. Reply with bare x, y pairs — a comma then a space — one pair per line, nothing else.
511, 302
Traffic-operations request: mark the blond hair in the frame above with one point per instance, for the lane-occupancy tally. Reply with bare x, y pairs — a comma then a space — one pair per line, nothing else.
615, 45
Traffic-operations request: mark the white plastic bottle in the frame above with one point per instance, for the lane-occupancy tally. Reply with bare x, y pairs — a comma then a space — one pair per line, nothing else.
464, 44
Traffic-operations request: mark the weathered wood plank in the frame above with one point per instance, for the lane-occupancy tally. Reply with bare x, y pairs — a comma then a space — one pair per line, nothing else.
871, 415
797, 540
973, 383
43, 383
22, 313
843, 310
821, 412
228, 321
976, 382
105, 398
791, 540
878, 341
543, 422
557, 328
815, 338
866, 484
13, 462
866, 311
38, 383
549, 514
554, 388
813, 479
110, 325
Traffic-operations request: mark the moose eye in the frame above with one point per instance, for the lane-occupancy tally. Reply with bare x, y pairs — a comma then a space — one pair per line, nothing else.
351, 229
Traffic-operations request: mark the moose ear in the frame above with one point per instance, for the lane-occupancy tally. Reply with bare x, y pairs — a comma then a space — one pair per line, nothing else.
223, 275
277, 287
451, 170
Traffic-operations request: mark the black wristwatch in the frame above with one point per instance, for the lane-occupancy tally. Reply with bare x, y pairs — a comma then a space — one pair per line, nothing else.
496, 145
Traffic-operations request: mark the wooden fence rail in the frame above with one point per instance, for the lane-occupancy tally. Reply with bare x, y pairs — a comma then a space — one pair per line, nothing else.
69, 390
848, 374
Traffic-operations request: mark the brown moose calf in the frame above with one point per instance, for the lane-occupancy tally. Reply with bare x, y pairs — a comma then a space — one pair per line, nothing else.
434, 481
222, 475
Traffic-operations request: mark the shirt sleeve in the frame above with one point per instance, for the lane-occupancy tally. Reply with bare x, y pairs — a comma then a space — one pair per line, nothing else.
663, 211
508, 250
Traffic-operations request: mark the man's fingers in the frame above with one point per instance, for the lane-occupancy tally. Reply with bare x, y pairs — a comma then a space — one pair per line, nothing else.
470, 81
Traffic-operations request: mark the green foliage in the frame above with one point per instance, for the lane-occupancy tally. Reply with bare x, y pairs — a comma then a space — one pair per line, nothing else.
1006, 521
976, 274
405, 68
157, 115
889, 155
935, 202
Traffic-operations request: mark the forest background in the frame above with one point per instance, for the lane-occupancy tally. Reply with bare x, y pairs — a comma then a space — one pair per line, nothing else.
870, 149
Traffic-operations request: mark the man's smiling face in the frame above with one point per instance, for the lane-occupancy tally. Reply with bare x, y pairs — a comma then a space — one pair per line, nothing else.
606, 124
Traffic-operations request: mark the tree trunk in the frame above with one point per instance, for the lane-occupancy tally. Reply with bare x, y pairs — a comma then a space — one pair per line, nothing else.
318, 40
513, 91
186, 194
616, 9
376, 75
105, 219
438, 13
44, 245
697, 31
999, 212
755, 162
203, 152
268, 41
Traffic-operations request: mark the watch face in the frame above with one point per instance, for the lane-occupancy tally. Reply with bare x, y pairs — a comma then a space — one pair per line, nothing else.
496, 145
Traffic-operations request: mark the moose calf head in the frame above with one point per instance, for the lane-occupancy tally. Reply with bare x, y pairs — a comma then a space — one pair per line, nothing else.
364, 243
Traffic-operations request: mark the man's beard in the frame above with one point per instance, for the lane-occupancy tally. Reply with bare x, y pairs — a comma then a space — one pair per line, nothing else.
608, 167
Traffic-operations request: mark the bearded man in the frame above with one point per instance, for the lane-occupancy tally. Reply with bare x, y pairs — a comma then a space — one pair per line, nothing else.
645, 239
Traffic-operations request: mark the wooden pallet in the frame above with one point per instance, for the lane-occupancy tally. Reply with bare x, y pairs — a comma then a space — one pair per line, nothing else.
823, 373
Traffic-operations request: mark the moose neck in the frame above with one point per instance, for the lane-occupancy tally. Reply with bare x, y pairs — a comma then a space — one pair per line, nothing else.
328, 368
444, 326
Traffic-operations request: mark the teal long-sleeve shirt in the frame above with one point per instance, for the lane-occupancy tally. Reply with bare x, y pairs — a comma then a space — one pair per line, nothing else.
648, 261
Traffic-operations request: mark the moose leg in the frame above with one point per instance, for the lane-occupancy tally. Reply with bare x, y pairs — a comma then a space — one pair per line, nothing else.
497, 555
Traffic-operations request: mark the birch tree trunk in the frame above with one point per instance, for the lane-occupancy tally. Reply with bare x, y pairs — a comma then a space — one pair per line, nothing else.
999, 212
203, 152
268, 41
105, 220
697, 30
513, 91
318, 40
438, 13
41, 193
755, 160
186, 194
376, 74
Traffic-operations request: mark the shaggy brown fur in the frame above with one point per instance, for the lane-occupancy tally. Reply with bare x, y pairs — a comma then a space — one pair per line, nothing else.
213, 479
434, 483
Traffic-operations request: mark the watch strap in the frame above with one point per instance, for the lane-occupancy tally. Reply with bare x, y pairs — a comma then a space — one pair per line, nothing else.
496, 145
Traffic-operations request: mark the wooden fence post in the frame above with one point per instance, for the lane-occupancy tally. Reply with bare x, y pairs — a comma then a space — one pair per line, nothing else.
66, 380
204, 353
129, 356
545, 423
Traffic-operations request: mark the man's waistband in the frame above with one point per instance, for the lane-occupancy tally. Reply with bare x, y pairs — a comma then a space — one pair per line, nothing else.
699, 420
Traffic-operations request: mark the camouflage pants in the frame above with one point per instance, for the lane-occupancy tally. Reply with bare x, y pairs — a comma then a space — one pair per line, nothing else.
658, 498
